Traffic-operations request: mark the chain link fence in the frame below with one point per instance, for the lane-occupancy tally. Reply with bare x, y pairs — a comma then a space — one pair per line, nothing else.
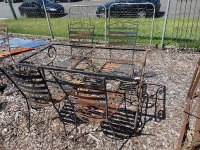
180, 29
54, 21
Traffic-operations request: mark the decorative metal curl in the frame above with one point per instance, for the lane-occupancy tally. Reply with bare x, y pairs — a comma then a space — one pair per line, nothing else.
51, 53
161, 90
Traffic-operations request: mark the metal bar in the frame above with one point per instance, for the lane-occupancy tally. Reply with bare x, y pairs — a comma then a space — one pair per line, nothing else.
139, 91
106, 23
195, 81
152, 25
179, 16
116, 60
165, 23
175, 18
192, 115
12, 9
197, 27
188, 20
98, 74
183, 18
101, 74
82, 57
193, 19
193, 86
184, 126
193, 78
197, 123
48, 21
82, 46
106, 98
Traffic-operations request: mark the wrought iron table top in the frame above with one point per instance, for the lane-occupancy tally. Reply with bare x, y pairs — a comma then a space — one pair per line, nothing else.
123, 68
120, 63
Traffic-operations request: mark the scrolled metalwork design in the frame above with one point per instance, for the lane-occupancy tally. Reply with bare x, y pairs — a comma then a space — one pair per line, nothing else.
160, 114
161, 90
51, 53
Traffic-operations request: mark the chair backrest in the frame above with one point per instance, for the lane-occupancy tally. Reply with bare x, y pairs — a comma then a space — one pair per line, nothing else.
31, 85
92, 99
81, 35
122, 35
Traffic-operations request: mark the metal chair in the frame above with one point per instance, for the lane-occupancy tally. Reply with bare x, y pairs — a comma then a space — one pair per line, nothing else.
122, 34
91, 99
33, 88
81, 34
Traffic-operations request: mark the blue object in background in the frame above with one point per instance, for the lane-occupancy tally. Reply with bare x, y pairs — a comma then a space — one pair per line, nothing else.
17, 42
35, 44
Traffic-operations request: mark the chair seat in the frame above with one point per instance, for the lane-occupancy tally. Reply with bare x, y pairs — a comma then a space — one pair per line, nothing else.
45, 102
91, 113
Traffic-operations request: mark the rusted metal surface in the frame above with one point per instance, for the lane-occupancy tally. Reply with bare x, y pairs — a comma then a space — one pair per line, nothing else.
94, 102
187, 112
33, 87
197, 124
14, 52
97, 62
109, 66
96, 59
121, 34
81, 35
93, 78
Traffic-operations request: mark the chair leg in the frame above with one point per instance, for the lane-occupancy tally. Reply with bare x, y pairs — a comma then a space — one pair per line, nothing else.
136, 117
64, 129
75, 121
60, 119
75, 138
71, 50
76, 126
113, 134
125, 109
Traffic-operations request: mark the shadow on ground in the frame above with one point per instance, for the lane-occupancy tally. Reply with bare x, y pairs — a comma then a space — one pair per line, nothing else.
152, 109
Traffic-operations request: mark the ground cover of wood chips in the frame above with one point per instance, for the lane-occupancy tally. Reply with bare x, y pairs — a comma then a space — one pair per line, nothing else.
168, 76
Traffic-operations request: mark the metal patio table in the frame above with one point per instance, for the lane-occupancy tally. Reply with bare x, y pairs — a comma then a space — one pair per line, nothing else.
126, 65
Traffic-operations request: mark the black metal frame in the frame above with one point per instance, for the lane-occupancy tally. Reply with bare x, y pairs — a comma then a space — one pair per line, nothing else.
31, 84
72, 89
138, 81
